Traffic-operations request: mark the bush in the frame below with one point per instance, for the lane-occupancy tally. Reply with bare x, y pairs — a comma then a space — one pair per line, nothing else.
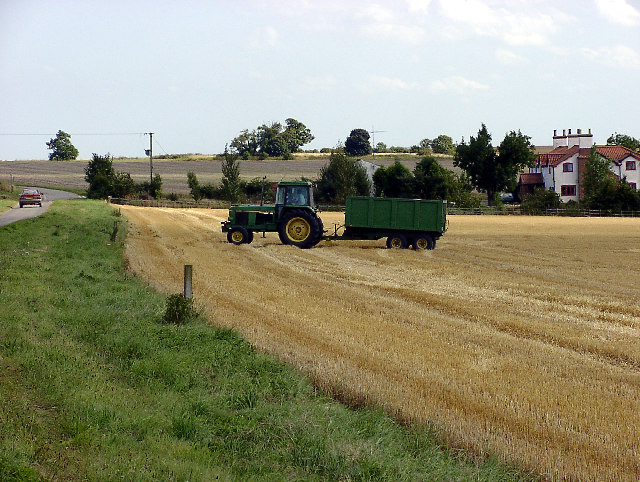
541, 200
179, 310
153, 188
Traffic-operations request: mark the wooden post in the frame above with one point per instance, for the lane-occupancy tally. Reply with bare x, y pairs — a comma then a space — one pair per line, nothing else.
188, 292
114, 234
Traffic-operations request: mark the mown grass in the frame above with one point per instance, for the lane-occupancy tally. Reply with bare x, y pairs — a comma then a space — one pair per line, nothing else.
95, 386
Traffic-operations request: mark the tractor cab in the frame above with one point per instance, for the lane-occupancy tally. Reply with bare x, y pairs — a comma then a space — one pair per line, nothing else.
294, 193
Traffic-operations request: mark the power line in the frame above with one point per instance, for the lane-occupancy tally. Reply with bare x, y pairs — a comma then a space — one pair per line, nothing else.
80, 134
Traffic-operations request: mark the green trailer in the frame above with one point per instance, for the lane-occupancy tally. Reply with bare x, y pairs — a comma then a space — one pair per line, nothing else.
404, 222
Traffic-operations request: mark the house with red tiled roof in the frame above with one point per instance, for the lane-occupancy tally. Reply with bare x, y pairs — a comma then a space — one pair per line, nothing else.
562, 169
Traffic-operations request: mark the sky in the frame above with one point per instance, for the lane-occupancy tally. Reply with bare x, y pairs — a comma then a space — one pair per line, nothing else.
196, 73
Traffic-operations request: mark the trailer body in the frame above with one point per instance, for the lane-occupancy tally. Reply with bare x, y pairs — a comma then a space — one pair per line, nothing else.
404, 222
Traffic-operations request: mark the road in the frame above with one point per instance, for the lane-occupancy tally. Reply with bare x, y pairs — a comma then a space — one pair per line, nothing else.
18, 214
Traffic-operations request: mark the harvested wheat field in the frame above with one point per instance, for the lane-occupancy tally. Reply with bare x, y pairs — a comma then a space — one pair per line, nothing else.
518, 336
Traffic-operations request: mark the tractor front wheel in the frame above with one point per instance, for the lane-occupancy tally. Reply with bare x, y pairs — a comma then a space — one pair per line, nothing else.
238, 235
299, 228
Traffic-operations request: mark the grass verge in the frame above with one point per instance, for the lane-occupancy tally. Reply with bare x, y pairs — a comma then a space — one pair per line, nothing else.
95, 386
8, 199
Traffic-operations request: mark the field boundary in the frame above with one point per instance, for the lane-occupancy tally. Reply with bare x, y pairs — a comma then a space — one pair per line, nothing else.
166, 203
519, 211
486, 210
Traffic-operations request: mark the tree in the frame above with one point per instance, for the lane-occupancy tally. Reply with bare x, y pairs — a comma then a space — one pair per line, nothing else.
153, 188
341, 177
194, 185
61, 148
381, 147
246, 144
357, 144
624, 140
393, 181
515, 153
296, 134
603, 190
493, 172
230, 176
432, 181
100, 174
272, 140
425, 144
443, 145
598, 183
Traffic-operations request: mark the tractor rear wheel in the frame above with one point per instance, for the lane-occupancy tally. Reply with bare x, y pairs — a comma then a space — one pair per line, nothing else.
397, 241
299, 228
238, 235
320, 230
423, 241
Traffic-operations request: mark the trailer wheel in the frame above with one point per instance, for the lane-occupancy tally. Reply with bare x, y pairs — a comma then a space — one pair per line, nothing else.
238, 235
397, 241
249, 237
423, 241
299, 228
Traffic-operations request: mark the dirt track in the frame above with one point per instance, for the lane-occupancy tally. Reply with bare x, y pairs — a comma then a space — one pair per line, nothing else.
517, 335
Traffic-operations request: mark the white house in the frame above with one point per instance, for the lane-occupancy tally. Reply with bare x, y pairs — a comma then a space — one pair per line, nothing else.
563, 168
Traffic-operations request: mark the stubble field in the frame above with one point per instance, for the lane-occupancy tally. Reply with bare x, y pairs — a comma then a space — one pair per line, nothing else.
517, 336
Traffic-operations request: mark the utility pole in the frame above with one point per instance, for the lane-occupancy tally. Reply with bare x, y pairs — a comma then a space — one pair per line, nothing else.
373, 140
150, 154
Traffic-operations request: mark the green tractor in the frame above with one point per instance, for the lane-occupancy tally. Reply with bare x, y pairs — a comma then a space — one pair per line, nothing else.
294, 217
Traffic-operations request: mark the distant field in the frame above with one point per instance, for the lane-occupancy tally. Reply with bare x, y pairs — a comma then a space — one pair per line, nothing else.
174, 173
517, 336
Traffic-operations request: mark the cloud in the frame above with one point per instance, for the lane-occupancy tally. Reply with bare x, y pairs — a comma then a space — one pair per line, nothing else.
515, 23
388, 83
507, 57
457, 85
321, 82
265, 37
418, 6
620, 56
408, 34
619, 11
377, 13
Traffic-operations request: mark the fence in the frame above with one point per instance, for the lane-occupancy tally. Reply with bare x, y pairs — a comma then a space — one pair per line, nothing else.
166, 203
518, 211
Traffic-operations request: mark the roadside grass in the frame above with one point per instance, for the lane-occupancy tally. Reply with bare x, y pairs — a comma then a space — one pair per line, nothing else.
8, 199
94, 385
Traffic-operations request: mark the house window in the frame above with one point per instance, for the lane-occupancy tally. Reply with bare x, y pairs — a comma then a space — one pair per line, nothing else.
633, 185
631, 165
568, 190
567, 167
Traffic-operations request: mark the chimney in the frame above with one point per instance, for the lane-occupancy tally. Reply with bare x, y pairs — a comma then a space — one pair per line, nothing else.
579, 131
564, 132
569, 131
555, 132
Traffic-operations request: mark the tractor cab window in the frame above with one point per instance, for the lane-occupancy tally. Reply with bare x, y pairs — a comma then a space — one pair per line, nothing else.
298, 196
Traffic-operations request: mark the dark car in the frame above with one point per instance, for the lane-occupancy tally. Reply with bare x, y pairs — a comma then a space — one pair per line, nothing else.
31, 196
